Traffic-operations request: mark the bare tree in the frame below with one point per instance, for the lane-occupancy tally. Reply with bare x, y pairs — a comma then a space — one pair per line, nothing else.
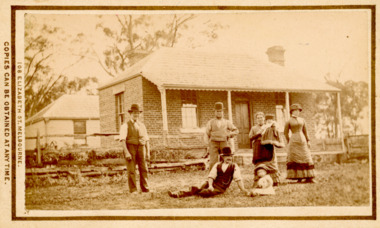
43, 84
136, 36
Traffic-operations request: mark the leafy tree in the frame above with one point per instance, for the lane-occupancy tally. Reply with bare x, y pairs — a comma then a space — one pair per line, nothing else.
354, 98
326, 115
136, 36
43, 84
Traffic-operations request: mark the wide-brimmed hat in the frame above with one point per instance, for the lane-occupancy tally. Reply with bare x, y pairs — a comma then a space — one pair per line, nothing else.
218, 106
134, 107
269, 117
226, 151
295, 107
261, 166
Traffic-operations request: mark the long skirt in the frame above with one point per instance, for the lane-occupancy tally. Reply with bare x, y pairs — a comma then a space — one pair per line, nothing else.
299, 163
266, 155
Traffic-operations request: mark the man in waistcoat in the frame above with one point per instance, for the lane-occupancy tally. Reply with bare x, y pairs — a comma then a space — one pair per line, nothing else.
219, 179
134, 138
219, 131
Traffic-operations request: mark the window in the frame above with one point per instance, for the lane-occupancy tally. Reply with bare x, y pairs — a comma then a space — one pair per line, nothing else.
79, 129
189, 109
119, 98
189, 116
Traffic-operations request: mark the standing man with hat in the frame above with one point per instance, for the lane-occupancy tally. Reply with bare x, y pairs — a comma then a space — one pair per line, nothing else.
134, 138
219, 131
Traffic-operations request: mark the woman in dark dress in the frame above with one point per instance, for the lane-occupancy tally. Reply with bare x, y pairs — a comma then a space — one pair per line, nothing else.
263, 155
299, 162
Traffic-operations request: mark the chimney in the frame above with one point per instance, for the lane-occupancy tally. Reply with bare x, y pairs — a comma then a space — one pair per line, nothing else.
276, 55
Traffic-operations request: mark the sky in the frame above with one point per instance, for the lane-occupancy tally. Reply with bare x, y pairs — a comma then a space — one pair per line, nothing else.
316, 42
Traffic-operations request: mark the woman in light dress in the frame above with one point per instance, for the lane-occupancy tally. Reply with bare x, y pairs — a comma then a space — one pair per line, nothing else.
299, 162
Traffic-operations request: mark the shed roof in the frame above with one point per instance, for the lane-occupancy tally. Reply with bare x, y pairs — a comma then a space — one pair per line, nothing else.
69, 107
173, 68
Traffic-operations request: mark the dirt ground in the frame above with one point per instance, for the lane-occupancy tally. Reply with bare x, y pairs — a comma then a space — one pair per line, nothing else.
338, 185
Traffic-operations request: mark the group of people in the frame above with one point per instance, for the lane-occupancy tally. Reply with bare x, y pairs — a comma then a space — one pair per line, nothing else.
220, 132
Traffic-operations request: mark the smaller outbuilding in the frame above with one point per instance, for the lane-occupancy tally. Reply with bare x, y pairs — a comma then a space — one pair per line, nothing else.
67, 121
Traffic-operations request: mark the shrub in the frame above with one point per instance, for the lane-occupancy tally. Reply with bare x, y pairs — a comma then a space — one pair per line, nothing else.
85, 155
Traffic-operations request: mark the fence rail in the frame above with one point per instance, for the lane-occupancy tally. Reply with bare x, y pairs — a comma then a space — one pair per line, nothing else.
73, 135
357, 145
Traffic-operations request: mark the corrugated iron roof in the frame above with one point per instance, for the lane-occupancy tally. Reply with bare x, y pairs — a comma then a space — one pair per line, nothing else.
70, 107
192, 69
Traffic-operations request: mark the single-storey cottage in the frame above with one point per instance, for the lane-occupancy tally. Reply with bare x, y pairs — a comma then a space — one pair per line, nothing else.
67, 121
177, 90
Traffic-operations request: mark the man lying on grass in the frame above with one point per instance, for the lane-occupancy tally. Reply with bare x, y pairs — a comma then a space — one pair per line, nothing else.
219, 179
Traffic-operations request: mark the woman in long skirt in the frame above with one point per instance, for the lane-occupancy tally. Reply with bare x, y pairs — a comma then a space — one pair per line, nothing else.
299, 163
263, 155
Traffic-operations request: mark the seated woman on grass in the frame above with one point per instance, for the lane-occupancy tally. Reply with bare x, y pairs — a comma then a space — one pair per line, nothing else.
264, 184
219, 179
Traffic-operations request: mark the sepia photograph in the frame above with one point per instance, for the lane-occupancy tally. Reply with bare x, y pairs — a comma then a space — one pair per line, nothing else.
189, 113
196, 84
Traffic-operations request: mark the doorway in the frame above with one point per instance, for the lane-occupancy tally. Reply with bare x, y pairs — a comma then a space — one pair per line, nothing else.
242, 123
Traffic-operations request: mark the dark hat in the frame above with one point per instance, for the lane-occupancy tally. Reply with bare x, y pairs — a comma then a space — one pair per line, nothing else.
226, 151
269, 117
134, 107
295, 107
219, 106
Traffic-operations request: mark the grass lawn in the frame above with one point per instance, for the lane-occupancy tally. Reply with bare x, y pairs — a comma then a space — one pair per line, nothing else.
338, 185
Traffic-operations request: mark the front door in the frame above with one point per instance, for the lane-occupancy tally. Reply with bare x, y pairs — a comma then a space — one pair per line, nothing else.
242, 123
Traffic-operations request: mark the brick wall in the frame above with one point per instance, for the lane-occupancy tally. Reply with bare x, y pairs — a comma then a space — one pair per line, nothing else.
147, 95
263, 102
173, 106
133, 94
206, 101
152, 108
107, 107
308, 105
206, 104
